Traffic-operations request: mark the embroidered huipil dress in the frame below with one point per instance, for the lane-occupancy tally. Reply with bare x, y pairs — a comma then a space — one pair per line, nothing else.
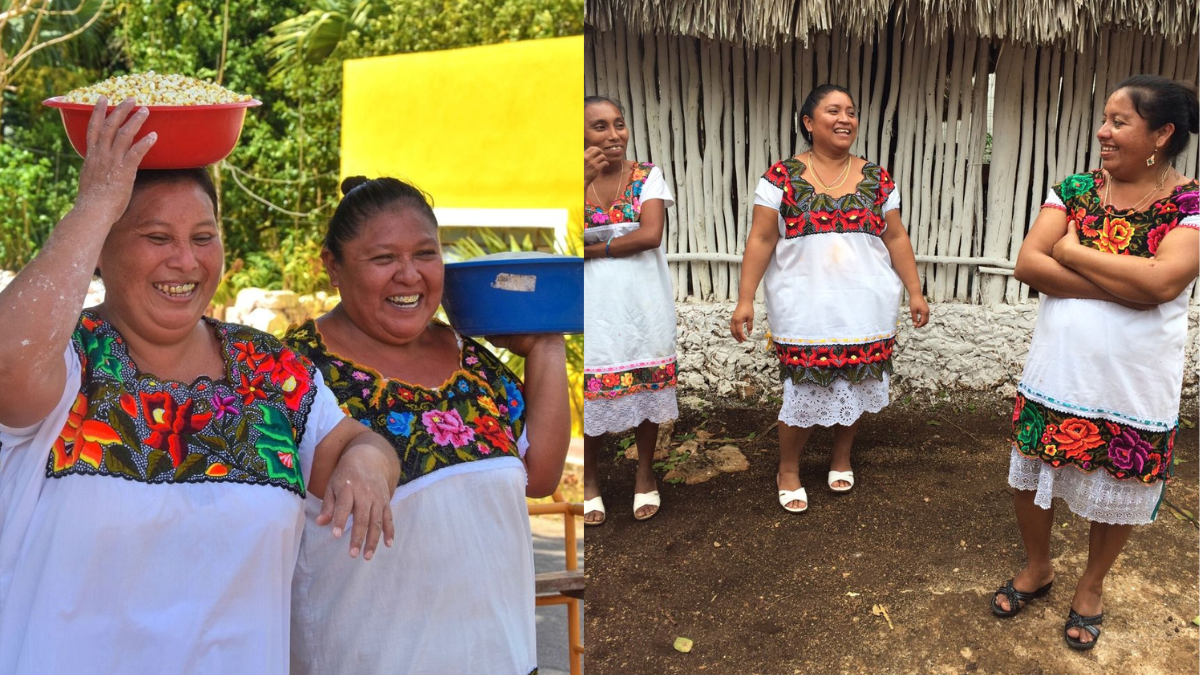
152, 526
832, 295
455, 593
629, 317
1098, 404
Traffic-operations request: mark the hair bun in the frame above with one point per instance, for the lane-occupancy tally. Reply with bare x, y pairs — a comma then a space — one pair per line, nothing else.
352, 182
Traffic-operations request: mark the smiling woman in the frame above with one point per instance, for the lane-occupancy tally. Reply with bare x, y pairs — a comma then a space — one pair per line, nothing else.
456, 596
216, 432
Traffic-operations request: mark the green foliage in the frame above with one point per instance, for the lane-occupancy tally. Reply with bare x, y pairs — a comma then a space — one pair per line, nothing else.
279, 186
33, 201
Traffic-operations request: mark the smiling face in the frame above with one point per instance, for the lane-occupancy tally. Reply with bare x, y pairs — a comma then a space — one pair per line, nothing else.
390, 275
1126, 140
162, 261
604, 128
833, 124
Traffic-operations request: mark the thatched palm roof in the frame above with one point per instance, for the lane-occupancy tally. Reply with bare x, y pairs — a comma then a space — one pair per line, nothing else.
768, 23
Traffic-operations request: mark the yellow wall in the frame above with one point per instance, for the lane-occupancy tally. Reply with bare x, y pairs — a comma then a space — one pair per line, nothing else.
482, 127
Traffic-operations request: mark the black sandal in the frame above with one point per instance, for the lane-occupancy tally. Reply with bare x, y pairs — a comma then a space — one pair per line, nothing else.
1016, 599
1087, 623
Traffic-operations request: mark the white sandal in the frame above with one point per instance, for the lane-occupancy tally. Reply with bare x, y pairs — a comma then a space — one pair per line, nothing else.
835, 476
592, 505
641, 499
788, 496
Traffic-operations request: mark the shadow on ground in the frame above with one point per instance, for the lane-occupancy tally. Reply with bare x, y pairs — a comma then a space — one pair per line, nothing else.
927, 534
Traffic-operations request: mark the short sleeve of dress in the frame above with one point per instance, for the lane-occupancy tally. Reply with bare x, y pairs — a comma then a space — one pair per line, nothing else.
1188, 203
323, 416
767, 195
893, 200
58, 416
655, 187
1053, 200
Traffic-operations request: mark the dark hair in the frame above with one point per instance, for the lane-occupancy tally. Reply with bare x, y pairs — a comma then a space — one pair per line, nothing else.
365, 198
592, 100
199, 176
1159, 101
810, 105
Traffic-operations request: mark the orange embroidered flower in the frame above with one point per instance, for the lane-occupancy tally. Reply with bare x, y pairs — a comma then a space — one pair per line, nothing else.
64, 451
1076, 436
1115, 235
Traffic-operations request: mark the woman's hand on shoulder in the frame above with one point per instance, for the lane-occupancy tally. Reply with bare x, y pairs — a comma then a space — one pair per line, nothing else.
1066, 245
106, 178
361, 484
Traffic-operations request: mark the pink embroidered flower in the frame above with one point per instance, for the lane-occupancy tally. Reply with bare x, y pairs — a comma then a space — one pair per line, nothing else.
1129, 451
471, 360
599, 218
594, 384
1188, 202
223, 405
360, 376
447, 428
1154, 237
483, 449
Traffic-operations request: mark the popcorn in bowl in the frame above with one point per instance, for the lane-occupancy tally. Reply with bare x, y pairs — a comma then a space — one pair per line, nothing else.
153, 89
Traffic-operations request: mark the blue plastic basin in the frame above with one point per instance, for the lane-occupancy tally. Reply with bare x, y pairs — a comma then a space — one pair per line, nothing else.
512, 293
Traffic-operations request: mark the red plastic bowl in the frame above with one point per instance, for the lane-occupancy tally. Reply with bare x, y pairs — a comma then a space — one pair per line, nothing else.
188, 135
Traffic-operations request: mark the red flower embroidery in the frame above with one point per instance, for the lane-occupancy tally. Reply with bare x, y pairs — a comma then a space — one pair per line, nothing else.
291, 376
169, 422
490, 428
251, 389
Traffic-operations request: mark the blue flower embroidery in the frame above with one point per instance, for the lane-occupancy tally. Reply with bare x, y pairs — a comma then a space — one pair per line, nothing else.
516, 402
400, 424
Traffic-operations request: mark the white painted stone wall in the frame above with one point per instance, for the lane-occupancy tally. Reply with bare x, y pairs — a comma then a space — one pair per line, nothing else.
964, 347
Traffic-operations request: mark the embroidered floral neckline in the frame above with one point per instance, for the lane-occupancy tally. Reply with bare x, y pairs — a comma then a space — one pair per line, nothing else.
459, 371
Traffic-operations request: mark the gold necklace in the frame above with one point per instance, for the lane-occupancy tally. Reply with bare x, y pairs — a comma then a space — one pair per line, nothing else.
1142, 203
841, 177
600, 202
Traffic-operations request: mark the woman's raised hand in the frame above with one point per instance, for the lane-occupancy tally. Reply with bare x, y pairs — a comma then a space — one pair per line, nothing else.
106, 179
594, 162
742, 323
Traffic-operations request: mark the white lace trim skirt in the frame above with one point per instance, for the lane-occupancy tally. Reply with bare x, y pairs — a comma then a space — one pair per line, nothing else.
807, 404
601, 416
1095, 496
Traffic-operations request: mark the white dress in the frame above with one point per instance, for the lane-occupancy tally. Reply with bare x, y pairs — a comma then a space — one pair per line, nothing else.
110, 575
832, 295
629, 318
455, 594
1098, 402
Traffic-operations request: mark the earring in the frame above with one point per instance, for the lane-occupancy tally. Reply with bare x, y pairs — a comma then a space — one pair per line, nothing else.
1150, 161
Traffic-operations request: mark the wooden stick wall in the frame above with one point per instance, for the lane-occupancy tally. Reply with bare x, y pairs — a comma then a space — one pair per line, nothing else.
715, 115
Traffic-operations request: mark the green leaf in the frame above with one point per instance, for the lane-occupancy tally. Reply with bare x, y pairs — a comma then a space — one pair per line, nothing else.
430, 463
153, 462
1186, 423
118, 460
1196, 621
190, 466
933, 423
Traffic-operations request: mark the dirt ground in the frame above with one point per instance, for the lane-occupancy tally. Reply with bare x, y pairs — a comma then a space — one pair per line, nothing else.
927, 534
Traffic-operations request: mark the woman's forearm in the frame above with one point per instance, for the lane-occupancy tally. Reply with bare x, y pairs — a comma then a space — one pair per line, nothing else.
1048, 277
904, 261
547, 414
40, 308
